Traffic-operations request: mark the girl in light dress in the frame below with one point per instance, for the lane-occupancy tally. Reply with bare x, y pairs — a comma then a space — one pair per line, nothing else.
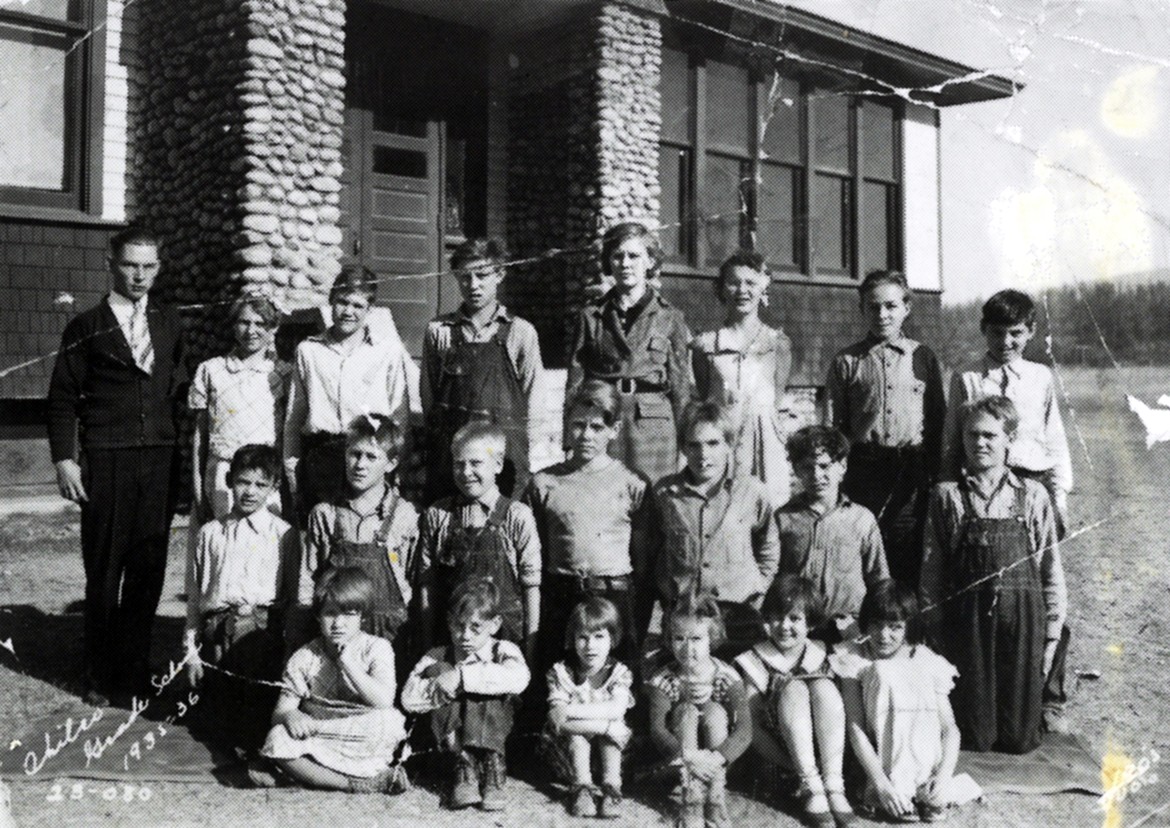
744, 365
900, 722
588, 697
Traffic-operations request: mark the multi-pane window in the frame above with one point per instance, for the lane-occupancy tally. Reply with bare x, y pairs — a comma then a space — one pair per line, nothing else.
808, 176
43, 49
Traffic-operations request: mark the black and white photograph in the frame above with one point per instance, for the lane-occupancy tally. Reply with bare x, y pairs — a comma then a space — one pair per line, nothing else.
682, 413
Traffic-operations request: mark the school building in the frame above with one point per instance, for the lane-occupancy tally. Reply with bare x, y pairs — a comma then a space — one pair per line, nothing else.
269, 141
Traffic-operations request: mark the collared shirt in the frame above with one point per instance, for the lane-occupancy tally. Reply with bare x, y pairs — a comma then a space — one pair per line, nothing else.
840, 550
244, 400
239, 561
519, 527
331, 386
496, 669
587, 518
721, 541
124, 308
888, 394
764, 660
565, 688
1040, 444
312, 673
944, 524
328, 521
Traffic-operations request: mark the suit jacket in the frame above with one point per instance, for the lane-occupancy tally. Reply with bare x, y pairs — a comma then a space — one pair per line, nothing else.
99, 390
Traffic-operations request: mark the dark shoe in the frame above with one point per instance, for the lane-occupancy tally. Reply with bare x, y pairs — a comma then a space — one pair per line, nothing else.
815, 803
95, 698
609, 804
581, 802
492, 775
930, 812
262, 773
465, 790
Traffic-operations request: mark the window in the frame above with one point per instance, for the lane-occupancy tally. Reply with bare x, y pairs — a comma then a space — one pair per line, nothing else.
808, 176
43, 49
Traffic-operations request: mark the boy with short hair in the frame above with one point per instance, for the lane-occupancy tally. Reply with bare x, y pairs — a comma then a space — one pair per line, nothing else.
886, 396
372, 528
715, 528
1040, 448
479, 362
826, 537
480, 534
469, 688
993, 586
237, 583
345, 372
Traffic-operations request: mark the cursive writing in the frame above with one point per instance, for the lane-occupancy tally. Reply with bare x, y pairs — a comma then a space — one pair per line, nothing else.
95, 747
159, 683
33, 763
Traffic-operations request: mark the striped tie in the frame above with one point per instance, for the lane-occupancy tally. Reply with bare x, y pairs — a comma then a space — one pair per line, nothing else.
140, 344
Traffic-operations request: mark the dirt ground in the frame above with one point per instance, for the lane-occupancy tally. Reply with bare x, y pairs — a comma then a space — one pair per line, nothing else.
1118, 593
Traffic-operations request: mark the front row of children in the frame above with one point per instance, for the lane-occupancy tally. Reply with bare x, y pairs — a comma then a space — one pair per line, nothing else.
992, 588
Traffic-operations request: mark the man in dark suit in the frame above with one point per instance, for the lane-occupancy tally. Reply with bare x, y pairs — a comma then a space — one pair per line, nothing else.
114, 393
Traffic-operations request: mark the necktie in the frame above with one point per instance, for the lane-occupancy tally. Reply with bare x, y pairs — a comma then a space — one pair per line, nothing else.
140, 343
1005, 381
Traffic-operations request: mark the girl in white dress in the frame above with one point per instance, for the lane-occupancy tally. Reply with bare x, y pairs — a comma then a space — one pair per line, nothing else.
900, 723
744, 365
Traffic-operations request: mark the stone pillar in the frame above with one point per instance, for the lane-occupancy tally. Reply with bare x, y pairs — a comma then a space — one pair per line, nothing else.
239, 151
583, 129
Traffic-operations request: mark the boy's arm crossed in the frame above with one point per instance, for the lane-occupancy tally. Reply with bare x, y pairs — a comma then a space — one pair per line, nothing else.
506, 676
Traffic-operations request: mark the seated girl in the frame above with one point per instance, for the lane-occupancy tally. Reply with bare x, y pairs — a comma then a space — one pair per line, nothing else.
335, 726
588, 697
798, 718
900, 723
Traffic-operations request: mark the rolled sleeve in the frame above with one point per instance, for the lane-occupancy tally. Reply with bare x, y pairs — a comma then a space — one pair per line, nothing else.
507, 676
766, 541
527, 542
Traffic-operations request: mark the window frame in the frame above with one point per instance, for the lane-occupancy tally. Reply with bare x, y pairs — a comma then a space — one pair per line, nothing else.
694, 260
84, 117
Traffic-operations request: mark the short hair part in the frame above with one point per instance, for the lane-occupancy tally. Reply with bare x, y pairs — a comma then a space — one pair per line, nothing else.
890, 602
592, 614
748, 259
700, 608
804, 443
790, 592
133, 236
477, 597
383, 430
699, 412
343, 589
354, 278
996, 407
616, 235
1009, 307
875, 278
595, 397
480, 432
264, 307
479, 250
254, 457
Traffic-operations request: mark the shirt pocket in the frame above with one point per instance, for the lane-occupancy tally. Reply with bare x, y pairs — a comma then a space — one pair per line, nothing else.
654, 407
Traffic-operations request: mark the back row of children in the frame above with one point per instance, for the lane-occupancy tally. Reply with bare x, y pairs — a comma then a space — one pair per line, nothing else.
618, 513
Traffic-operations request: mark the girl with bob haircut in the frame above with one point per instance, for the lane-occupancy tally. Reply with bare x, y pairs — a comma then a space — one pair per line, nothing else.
588, 696
335, 726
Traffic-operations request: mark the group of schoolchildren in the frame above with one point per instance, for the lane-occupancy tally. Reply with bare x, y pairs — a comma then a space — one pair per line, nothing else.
908, 599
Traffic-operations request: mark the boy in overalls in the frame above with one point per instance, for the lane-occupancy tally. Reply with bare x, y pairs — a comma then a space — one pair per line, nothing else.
480, 535
374, 529
479, 363
993, 585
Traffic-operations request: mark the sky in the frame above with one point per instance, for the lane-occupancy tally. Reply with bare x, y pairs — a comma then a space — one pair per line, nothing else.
1069, 179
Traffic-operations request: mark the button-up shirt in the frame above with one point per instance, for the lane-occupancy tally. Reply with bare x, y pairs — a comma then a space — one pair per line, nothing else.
944, 524
329, 521
332, 386
496, 669
519, 527
717, 538
888, 394
840, 550
244, 400
1040, 444
239, 561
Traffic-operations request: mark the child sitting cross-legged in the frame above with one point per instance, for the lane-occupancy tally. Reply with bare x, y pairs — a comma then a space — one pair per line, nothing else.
798, 717
901, 725
469, 689
588, 697
335, 726
699, 716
